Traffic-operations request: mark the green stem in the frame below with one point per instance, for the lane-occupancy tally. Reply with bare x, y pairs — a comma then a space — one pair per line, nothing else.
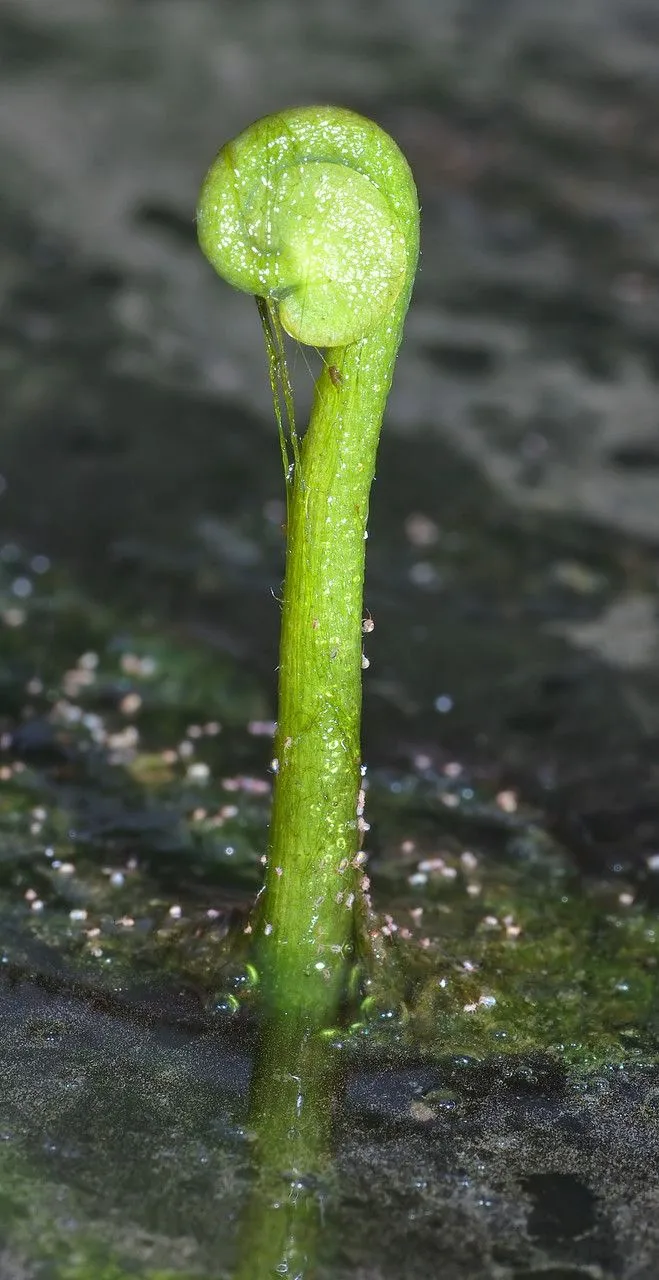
313, 875
290, 1115
315, 211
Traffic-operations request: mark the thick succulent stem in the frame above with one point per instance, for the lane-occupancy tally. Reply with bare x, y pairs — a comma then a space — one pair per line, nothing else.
313, 874
315, 210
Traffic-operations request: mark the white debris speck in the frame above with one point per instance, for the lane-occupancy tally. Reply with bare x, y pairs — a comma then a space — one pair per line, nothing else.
432, 864
490, 922
13, 617
262, 728
130, 704
198, 772
421, 531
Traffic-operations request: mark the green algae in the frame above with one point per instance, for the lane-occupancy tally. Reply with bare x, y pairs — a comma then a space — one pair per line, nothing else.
534, 961
46, 1228
131, 838
131, 848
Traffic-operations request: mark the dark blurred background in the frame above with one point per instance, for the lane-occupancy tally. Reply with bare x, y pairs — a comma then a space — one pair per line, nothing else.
137, 448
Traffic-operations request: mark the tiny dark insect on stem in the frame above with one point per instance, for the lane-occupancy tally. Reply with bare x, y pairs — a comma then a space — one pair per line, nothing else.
336, 377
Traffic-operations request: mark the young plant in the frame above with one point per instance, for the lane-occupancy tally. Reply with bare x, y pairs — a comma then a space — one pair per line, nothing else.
315, 212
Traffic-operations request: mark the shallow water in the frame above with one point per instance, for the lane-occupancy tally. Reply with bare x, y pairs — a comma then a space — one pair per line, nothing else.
498, 1117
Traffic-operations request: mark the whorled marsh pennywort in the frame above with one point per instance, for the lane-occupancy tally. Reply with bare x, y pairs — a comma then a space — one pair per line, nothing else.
314, 211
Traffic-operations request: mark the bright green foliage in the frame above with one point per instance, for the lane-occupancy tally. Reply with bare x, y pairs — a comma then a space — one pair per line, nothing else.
315, 211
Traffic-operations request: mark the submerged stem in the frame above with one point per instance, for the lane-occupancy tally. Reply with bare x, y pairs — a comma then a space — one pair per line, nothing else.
290, 1117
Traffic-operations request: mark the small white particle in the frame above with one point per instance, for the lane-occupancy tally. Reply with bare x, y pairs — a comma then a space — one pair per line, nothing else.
198, 772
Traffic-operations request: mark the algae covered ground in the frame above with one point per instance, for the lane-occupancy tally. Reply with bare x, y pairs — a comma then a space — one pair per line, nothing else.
135, 800
135, 795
